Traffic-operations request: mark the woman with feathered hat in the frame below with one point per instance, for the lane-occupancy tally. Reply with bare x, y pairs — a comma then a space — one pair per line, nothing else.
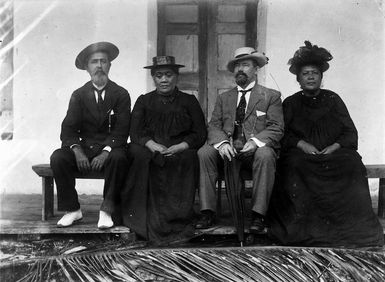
322, 197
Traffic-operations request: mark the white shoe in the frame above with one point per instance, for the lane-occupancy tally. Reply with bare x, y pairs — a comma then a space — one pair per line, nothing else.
105, 220
69, 218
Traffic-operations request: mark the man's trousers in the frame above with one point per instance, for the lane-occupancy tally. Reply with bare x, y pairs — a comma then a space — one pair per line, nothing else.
63, 164
262, 164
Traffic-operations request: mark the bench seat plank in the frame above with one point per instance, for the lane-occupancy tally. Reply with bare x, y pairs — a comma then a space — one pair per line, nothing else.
45, 171
375, 171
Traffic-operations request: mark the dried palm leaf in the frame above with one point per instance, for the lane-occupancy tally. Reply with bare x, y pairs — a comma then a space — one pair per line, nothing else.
213, 264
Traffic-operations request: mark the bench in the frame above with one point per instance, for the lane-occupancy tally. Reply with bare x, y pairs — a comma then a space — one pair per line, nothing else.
45, 172
372, 171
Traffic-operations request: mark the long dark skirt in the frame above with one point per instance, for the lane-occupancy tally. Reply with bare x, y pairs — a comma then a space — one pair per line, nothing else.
158, 198
323, 200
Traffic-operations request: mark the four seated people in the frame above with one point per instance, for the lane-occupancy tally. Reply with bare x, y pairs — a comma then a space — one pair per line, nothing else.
320, 194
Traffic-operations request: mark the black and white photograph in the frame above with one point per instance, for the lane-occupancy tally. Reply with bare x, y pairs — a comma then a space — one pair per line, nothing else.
192, 140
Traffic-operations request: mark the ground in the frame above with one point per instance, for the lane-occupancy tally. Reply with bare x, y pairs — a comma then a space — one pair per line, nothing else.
22, 248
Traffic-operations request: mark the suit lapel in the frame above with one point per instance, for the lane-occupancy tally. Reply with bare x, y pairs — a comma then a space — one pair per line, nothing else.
255, 98
233, 99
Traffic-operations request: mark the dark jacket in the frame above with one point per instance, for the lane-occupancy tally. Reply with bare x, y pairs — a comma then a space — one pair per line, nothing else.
84, 124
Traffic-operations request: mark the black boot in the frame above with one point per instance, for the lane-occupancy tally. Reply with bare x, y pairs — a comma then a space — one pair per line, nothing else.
258, 224
206, 220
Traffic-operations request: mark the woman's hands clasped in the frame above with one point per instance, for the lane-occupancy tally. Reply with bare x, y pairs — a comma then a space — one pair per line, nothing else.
307, 148
155, 147
167, 152
311, 149
330, 149
174, 149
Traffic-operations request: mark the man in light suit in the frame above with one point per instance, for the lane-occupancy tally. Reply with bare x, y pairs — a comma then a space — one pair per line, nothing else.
94, 136
246, 126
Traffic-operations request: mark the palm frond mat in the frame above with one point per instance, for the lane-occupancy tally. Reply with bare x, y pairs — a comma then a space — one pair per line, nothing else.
219, 264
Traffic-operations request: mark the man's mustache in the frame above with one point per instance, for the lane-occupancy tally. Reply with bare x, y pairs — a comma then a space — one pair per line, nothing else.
239, 73
99, 72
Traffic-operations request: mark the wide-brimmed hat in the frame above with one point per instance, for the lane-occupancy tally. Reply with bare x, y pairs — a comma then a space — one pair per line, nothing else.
310, 55
163, 61
107, 47
244, 53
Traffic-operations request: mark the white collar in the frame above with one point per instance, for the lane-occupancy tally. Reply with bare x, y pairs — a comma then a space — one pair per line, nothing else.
250, 86
98, 87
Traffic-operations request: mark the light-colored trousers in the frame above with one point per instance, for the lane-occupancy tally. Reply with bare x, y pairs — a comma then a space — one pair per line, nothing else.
263, 170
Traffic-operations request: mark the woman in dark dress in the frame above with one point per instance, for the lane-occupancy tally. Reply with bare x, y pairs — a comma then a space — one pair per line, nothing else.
322, 195
167, 129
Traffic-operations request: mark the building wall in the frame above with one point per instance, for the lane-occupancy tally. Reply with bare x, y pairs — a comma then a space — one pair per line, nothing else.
49, 35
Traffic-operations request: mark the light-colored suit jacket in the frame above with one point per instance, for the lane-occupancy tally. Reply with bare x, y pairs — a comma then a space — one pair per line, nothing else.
263, 119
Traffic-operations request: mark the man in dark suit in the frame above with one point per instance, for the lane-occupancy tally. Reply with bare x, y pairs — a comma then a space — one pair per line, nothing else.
246, 126
94, 136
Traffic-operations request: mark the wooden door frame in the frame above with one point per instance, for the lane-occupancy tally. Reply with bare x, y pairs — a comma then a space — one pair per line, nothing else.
205, 29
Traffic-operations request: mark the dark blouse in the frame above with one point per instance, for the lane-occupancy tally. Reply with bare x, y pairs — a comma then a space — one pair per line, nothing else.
168, 120
321, 120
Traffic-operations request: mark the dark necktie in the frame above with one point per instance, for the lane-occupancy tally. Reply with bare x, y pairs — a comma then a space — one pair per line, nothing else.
101, 107
240, 113
100, 98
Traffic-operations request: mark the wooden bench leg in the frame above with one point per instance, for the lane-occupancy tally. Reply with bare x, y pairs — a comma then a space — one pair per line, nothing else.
47, 205
381, 198
219, 198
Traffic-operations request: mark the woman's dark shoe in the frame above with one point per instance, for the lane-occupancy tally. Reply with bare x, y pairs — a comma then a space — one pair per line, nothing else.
206, 220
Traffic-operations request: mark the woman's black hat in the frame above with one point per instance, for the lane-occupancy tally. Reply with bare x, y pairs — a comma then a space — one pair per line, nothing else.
310, 55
